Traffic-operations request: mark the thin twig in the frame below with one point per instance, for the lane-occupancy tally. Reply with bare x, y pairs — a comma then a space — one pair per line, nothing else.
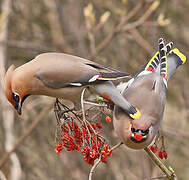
141, 21
91, 36
82, 104
26, 134
141, 41
95, 104
116, 146
170, 175
99, 160
93, 168
117, 28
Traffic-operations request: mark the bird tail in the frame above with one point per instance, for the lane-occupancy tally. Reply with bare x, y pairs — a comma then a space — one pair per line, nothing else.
174, 60
153, 64
163, 59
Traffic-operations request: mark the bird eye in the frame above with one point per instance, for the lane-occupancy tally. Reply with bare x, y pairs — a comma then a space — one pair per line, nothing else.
16, 97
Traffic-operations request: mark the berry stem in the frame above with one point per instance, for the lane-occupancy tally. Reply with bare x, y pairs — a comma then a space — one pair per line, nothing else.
94, 167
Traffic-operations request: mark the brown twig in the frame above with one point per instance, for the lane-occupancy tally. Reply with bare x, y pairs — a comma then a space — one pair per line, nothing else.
117, 28
116, 146
169, 174
91, 36
141, 41
99, 160
31, 46
94, 167
141, 21
20, 141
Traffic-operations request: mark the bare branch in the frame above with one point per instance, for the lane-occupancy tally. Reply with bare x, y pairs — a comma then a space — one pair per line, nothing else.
141, 21
169, 174
117, 28
93, 168
141, 41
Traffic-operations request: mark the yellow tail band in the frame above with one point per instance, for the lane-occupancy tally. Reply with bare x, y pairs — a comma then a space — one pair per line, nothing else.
155, 55
178, 53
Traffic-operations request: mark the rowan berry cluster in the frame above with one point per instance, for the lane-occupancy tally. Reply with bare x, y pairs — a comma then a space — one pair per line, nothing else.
86, 139
162, 154
77, 133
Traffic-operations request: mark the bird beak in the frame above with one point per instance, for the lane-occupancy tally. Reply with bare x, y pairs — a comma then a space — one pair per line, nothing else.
18, 108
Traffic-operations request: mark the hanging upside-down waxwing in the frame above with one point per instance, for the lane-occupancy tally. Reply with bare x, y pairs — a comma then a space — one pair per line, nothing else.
63, 76
147, 91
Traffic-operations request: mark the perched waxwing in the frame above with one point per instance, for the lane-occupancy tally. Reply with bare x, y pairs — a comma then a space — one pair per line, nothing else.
63, 76
147, 91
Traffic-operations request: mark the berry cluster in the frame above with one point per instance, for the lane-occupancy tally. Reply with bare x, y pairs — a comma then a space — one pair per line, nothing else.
75, 133
162, 154
84, 139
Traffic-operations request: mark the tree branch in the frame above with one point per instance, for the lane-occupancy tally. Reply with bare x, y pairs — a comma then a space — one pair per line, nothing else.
169, 174
141, 41
117, 28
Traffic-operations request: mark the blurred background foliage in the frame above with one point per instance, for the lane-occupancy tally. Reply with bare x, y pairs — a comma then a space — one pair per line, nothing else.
92, 29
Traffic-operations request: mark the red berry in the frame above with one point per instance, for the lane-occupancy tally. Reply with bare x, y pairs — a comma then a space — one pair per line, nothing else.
154, 148
165, 154
58, 148
103, 156
105, 147
108, 119
160, 154
110, 152
94, 126
98, 125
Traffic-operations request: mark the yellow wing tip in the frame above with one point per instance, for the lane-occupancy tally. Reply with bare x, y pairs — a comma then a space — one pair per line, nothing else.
136, 115
107, 79
181, 55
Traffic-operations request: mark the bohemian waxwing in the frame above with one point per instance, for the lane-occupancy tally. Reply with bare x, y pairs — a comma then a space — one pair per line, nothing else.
63, 76
147, 91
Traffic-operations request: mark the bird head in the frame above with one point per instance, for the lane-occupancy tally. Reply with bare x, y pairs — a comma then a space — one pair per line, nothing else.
14, 89
139, 134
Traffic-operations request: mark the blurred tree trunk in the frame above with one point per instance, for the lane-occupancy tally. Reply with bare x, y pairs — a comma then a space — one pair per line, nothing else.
7, 112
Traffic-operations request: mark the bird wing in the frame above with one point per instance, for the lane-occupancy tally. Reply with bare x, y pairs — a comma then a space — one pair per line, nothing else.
148, 93
58, 70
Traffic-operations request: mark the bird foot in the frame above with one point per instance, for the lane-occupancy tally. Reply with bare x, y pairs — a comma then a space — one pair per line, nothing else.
61, 110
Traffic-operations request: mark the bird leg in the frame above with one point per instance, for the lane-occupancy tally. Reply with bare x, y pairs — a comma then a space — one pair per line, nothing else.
60, 109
